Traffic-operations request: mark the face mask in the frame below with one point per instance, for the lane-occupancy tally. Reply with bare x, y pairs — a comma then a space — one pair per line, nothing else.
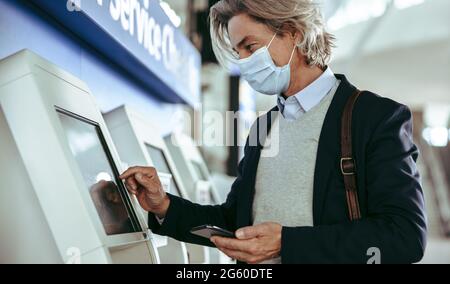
263, 75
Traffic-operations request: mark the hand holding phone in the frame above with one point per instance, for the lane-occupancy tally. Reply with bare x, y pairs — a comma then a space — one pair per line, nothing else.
209, 231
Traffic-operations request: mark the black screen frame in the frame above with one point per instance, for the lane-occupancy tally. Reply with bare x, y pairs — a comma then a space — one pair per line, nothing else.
121, 187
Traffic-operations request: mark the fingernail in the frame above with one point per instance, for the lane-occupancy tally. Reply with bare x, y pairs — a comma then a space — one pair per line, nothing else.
239, 234
134, 187
139, 176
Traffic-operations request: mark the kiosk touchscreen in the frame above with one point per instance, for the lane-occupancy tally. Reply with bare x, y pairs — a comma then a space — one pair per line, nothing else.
139, 142
95, 164
61, 200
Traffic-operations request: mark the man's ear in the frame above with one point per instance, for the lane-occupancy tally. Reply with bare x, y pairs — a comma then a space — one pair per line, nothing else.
291, 31
296, 36
293, 34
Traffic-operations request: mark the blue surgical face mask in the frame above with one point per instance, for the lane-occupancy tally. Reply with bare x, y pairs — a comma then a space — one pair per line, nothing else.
263, 75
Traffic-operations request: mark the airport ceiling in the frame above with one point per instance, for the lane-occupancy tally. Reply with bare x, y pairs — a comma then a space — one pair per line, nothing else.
181, 7
380, 25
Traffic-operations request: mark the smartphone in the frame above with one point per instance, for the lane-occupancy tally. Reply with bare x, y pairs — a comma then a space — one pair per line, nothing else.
208, 231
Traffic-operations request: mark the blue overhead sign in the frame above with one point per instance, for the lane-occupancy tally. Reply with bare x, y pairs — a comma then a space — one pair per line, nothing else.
139, 37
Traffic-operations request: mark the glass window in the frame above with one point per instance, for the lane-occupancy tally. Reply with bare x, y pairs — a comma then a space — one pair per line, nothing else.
94, 160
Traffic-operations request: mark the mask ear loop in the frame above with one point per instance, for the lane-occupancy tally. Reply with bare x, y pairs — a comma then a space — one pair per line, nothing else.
270, 43
292, 55
293, 51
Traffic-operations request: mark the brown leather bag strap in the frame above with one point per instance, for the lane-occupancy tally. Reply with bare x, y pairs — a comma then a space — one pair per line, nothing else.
348, 163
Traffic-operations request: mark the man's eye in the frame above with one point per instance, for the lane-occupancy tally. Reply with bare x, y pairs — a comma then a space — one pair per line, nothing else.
250, 47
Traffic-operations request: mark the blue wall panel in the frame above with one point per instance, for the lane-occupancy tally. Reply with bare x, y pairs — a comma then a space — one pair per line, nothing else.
22, 26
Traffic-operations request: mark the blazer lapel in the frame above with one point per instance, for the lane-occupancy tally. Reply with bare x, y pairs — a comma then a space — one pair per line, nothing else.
329, 146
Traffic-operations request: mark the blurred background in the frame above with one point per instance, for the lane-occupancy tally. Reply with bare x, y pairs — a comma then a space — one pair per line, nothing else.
397, 48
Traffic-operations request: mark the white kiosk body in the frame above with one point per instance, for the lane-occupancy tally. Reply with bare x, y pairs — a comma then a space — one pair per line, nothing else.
196, 178
61, 200
139, 143
194, 171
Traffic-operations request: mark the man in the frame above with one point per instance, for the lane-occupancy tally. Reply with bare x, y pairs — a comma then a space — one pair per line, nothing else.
291, 207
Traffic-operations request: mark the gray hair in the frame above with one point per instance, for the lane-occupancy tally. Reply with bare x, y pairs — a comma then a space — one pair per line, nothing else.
282, 16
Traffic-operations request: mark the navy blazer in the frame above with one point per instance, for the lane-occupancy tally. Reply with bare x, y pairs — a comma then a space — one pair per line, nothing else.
389, 188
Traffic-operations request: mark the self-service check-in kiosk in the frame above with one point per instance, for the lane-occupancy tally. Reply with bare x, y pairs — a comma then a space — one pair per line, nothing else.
61, 199
196, 178
139, 143
193, 169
